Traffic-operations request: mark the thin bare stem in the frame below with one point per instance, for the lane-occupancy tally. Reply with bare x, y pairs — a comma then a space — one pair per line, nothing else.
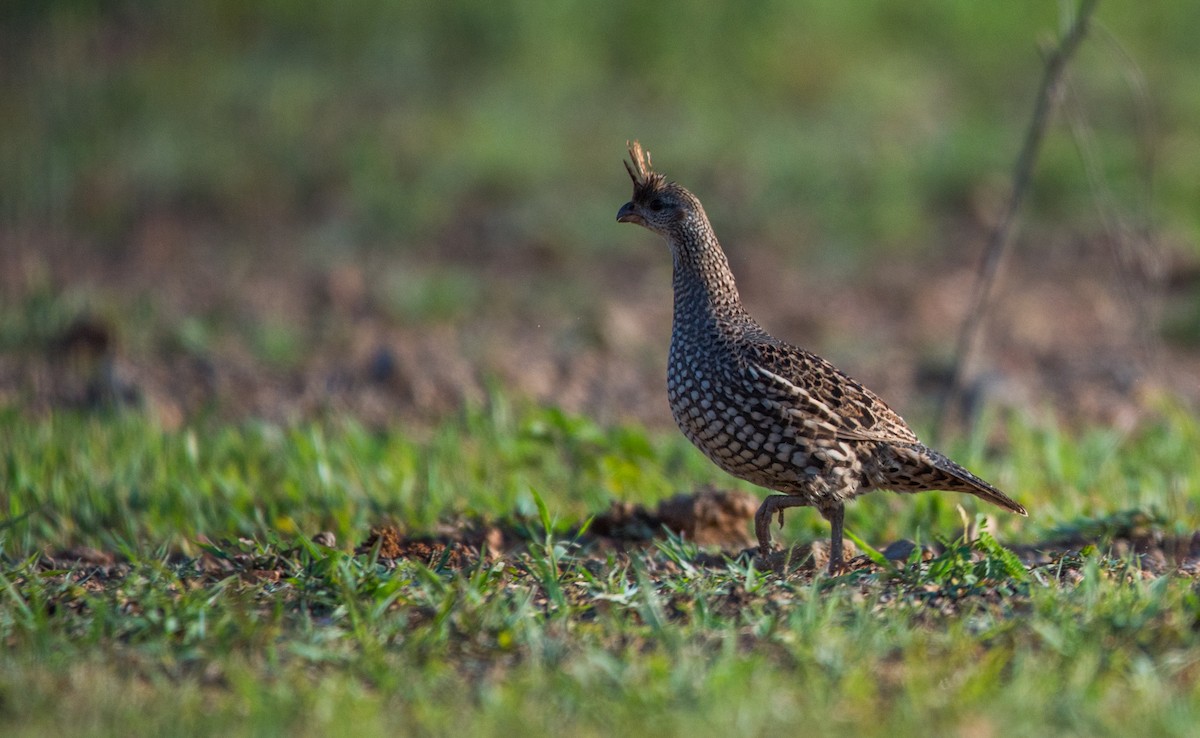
998, 244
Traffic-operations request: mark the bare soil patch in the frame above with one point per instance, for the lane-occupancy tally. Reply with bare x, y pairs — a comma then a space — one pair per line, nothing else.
718, 520
180, 325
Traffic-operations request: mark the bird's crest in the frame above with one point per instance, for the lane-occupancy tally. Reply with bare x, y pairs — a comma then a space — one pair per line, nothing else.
644, 178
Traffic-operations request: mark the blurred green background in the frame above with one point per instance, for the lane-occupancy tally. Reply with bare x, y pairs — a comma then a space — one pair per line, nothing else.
461, 138
852, 125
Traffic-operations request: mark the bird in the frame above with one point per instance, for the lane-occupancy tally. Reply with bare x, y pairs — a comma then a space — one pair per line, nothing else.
766, 411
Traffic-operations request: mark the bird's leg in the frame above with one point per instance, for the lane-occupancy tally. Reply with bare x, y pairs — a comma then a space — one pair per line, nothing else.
762, 519
762, 526
835, 514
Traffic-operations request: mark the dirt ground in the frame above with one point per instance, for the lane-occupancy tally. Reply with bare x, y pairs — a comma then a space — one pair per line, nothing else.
176, 320
715, 520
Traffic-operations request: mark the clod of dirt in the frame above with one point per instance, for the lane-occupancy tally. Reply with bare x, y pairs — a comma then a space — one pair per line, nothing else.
625, 521
709, 517
390, 542
458, 547
82, 556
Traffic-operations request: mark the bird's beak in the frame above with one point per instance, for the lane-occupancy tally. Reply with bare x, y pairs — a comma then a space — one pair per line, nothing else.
628, 214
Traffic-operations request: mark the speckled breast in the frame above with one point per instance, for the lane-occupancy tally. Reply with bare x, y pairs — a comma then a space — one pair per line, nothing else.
747, 436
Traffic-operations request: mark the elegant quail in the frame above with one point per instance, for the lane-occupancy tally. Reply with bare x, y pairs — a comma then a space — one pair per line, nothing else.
763, 410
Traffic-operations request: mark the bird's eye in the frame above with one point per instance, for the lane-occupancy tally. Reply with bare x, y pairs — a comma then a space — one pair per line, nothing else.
656, 205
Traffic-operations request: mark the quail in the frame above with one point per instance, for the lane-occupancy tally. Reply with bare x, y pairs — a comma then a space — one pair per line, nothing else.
763, 410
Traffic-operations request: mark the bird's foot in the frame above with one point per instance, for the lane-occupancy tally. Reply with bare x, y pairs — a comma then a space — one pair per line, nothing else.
764, 553
771, 507
837, 568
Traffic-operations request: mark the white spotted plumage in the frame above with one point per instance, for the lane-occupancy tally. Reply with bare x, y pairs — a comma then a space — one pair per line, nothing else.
763, 410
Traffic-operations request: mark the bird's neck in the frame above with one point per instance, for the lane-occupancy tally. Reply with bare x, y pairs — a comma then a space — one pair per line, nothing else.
704, 286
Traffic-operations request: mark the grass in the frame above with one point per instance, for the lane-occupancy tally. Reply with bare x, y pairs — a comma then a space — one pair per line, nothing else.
116, 479
163, 574
221, 615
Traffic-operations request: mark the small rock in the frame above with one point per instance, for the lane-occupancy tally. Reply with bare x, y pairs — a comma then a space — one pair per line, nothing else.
325, 538
899, 550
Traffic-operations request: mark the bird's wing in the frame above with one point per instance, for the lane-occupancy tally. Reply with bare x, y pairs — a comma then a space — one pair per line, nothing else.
820, 398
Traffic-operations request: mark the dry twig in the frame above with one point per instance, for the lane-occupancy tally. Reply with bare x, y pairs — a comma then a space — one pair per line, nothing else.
998, 245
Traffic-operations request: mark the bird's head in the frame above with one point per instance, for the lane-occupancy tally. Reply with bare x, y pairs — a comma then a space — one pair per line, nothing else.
659, 205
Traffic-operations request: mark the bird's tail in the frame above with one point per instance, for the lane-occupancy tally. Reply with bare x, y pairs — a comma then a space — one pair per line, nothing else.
952, 477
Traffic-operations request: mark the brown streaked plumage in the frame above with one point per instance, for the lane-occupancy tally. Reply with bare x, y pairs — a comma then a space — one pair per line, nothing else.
763, 410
